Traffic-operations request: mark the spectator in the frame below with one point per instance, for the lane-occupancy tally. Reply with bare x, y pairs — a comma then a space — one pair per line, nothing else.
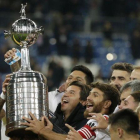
120, 74
76, 55
122, 126
135, 74
88, 52
107, 32
135, 43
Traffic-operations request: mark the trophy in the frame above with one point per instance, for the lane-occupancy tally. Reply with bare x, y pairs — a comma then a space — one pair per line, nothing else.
27, 91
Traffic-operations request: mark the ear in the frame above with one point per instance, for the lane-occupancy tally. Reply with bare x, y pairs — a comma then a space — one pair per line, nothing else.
120, 132
83, 102
107, 104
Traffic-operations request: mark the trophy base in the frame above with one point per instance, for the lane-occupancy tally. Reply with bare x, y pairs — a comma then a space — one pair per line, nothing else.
21, 133
14, 129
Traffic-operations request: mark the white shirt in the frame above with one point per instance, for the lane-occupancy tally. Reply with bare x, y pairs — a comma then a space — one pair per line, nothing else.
116, 109
3, 128
54, 98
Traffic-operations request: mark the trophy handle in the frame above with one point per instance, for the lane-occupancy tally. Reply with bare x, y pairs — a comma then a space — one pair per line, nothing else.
7, 33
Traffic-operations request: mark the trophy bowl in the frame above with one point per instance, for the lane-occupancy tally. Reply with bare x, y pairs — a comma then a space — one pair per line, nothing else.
24, 30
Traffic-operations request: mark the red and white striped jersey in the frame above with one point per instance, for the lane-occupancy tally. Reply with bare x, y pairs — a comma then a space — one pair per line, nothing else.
99, 134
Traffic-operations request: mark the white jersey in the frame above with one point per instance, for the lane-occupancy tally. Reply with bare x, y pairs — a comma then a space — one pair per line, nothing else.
99, 134
3, 128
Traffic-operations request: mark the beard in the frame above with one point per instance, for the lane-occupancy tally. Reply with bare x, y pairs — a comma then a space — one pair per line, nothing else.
96, 109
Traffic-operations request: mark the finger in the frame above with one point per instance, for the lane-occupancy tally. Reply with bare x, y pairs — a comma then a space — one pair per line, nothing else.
6, 80
6, 55
95, 127
14, 50
48, 121
5, 83
70, 127
11, 53
71, 133
4, 87
70, 137
8, 75
29, 129
42, 118
27, 124
27, 119
32, 116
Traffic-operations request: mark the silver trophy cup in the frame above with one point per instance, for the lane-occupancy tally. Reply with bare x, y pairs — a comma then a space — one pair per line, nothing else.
27, 90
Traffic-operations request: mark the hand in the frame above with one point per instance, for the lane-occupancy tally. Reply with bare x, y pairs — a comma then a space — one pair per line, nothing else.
35, 125
10, 53
102, 122
62, 88
31, 39
5, 83
73, 134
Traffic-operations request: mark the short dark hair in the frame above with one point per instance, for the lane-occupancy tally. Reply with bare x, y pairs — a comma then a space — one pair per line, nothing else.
126, 119
86, 71
110, 93
85, 89
136, 96
123, 66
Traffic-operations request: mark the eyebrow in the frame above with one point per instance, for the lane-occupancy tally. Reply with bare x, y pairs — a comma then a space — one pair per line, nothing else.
94, 92
125, 101
121, 77
79, 77
72, 91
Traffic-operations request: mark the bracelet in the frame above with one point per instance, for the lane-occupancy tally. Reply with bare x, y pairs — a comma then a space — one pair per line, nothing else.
40, 130
3, 96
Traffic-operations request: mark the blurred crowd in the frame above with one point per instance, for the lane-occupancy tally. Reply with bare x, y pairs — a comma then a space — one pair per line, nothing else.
83, 42
62, 20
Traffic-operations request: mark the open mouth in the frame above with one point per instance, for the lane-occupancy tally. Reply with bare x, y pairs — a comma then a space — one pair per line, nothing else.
89, 106
64, 101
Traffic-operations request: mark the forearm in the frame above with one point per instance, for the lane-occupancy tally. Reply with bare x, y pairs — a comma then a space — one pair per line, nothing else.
2, 101
2, 112
50, 135
15, 67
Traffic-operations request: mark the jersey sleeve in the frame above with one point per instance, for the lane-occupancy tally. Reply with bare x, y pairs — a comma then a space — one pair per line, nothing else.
86, 131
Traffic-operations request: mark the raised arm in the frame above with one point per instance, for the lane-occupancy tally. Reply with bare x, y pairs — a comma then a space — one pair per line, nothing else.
2, 97
10, 54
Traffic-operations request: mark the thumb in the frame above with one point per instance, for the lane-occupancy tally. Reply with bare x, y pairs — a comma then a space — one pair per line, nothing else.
47, 120
95, 127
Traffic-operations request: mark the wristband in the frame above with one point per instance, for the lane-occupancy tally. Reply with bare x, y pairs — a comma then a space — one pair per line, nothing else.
3, 96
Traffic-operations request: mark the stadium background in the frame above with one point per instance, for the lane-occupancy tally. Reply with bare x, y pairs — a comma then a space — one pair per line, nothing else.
95, 33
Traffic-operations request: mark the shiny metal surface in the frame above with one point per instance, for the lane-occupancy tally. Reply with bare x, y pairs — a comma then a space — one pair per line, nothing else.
24, 29
26, 93
27, 90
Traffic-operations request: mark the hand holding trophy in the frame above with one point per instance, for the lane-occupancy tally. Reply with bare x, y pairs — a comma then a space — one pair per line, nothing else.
27, 91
